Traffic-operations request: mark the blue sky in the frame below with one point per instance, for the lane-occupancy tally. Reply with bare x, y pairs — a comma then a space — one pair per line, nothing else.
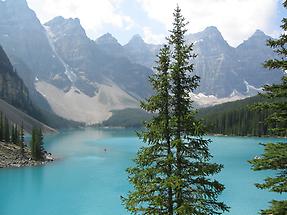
236, 19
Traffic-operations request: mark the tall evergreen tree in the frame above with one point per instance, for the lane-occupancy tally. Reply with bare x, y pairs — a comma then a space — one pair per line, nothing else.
33, 144
150, 188
1, 127
173, 174
21, 139
6, 131
13, 136
37, 148
275, 154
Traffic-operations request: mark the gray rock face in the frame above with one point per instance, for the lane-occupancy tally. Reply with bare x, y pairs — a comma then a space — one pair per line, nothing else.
251, 55
110, 45
22, 36
223, 70
215, 63
140, 52
12, 88
94, 63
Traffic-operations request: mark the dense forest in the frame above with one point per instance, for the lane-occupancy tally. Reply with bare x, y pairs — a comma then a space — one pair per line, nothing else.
236, 118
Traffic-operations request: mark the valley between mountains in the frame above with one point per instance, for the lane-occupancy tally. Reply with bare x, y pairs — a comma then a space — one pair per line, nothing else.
83, 80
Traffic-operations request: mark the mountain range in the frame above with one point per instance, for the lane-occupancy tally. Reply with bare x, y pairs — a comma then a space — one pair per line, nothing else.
84, 80
16, 105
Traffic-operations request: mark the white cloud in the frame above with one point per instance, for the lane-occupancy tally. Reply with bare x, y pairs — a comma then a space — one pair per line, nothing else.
152, 38
94, 14
236, 19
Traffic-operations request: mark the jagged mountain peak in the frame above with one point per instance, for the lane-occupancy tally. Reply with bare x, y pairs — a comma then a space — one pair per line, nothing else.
256, 40
106, 39
59, 20
259, 33
211, 32
56, 20
66, 27
211, 29
136, 40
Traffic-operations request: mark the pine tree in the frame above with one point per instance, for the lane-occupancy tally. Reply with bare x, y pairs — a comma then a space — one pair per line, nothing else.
172, 174
33, 144
37, 144
6, 131
275, 154
21, 139
13, 134
150, 188
1, 127
40, 144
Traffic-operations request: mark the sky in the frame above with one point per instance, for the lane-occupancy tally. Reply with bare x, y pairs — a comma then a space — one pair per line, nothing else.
237, 20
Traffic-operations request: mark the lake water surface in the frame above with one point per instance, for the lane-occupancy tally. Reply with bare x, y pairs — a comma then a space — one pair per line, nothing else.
86, 180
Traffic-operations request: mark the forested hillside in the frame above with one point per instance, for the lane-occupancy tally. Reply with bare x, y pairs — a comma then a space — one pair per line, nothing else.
128, 118
236, 118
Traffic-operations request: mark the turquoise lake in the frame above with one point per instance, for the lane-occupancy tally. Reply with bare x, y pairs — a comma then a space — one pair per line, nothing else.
86, 180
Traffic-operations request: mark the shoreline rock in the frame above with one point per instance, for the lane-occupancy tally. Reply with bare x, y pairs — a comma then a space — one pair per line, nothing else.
10, 157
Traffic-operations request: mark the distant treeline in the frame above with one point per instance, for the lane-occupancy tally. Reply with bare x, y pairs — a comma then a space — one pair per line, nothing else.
128, 118
236, 118
233, 118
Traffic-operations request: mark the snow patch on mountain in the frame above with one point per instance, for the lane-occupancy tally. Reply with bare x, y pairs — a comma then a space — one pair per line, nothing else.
77, 106
251, 90
68, 71
202, 100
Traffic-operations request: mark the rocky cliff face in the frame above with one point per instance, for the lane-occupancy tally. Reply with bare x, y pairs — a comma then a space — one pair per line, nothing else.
140, 52
215, 63
224, 71
251, 55
88, 65
103, 79
12, 88
22, 36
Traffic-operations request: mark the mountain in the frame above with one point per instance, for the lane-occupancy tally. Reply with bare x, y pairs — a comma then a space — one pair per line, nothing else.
12, 88
22, 36
251, 55
100, 79
225, 71
85, 80
140, 52
215, 63
110, 45
14, 97
62, 66
16, 103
